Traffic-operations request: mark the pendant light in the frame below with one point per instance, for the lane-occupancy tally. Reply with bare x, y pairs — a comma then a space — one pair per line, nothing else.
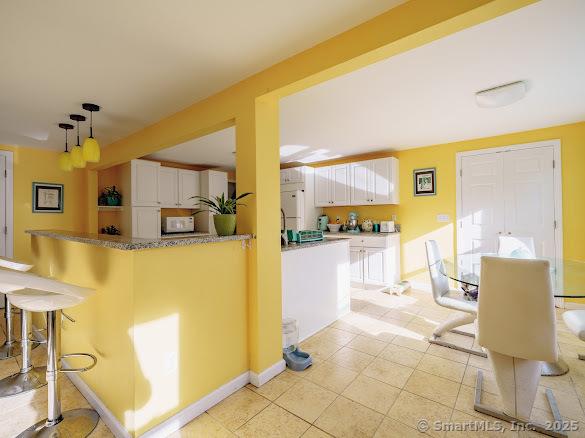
76, 152
91, 148
65, 157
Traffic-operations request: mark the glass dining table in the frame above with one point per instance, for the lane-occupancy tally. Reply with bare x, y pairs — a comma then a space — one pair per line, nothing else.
567, 279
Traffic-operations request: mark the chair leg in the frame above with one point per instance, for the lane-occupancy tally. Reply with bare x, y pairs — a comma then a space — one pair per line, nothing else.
11, 347
457, 320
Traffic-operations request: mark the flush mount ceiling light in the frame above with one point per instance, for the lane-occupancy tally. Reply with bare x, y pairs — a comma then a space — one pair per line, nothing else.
91, 148
501, 95
77, 159
65, 157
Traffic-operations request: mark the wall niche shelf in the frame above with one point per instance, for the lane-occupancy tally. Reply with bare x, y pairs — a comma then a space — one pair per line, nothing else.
110, 208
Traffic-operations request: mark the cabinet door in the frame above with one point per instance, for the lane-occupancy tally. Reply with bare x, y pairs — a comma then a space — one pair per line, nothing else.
360, 175
340, 183
322, 187
146, 222
381, 181
188, 187
356, 263
167, 187
145, 183
296, 175
376, 266
284, 176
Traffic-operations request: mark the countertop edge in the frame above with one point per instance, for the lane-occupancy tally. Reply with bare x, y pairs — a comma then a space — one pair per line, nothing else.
327, 241
136, 244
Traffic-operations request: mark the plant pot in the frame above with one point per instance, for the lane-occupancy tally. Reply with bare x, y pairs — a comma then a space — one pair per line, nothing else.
225, 224
113, 200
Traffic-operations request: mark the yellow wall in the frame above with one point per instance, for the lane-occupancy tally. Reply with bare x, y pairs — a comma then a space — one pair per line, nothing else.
37, 165
417, 215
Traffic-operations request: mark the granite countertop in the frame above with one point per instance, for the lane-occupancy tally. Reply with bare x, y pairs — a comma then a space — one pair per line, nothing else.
130, 244
327, 241
346, 235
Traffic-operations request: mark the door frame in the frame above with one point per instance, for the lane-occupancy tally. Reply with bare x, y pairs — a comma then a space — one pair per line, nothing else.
9, 203
557, 178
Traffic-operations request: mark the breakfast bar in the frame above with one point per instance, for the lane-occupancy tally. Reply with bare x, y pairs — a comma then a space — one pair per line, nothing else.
165, 332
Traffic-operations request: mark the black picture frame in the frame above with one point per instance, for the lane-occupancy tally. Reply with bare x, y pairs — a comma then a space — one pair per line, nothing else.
425, 181
47, 197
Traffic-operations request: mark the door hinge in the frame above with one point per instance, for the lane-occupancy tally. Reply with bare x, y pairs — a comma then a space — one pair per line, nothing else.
460, 172
553, 164
5, 230
555, 224
5, 174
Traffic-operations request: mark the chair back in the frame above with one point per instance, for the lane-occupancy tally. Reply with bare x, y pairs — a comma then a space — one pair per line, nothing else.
516, 312
516, 247
439, 282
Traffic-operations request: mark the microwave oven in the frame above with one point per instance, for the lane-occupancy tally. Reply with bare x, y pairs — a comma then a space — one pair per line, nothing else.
178, 224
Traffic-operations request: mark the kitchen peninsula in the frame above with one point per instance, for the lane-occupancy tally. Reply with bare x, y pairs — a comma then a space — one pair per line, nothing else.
166, 333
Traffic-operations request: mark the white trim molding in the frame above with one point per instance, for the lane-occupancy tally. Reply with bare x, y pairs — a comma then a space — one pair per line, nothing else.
259, 379
9, 203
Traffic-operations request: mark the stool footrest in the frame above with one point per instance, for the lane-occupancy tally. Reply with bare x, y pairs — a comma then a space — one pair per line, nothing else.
78, 370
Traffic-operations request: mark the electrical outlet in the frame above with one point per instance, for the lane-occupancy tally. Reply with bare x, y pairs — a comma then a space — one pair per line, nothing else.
338, 218
442, 218
394, 217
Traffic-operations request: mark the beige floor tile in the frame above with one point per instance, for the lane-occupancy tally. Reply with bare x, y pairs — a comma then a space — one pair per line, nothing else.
367, 345
101, 431
394, 429
202, 426
489, 380
421, 328
479, 362
8, 367
465, 401
402, 355
466, 424
346, 418
560, 383
411, 409
459, 340
398, 315
273, 422
434, 388
331, 376
319, 349
238, 408
276, 386
336, 336
396, 323
448, 353
352, 359
374, 309
345, 324
568, 404
442, 367
413, 341
306, 400
313, 432
372, 393
388, 372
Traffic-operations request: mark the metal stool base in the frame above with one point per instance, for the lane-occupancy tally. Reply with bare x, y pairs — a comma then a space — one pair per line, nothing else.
557, 368
8, 351
437, 341
23, 382
77, 423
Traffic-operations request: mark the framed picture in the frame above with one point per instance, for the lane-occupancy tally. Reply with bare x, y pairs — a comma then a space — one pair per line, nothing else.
425, 183
47, 198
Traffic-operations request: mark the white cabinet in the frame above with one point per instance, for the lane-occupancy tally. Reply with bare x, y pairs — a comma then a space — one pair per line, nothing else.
168, 187
144, 184
146, 222
187, 188
356, 263
332, 185
374, 182
292, 175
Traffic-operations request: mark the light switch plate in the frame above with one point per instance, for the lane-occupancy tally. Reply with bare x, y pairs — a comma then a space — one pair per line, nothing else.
442, 218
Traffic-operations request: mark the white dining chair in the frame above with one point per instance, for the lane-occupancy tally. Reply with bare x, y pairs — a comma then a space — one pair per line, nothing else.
449, 298
516, 247
575, 321
516, 325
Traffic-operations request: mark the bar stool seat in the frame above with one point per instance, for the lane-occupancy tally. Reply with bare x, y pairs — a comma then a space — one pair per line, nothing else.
35, 300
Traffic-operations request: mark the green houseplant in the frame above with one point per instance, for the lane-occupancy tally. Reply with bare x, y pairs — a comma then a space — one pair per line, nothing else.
224, 212
112, 195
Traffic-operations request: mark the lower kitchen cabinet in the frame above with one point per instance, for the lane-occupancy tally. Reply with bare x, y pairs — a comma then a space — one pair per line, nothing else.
375, 259
146, 222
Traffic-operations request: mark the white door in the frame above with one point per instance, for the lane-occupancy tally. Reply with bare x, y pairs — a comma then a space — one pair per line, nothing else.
145, 183
146, 222
375, 266
340, 182
360, 192
381, 184
356, 263
529, 197
3, 206
188, 187
322, 187
167, 187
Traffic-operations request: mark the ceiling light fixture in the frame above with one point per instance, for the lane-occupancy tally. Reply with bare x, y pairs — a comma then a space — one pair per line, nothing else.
501, 95
65, 157
91, 148
76, 152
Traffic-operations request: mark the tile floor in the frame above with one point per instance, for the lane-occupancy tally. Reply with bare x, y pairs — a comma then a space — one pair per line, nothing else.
374, 375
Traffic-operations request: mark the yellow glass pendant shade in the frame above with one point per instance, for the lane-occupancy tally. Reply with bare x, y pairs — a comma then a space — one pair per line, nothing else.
91, 150
65, 162
77, 157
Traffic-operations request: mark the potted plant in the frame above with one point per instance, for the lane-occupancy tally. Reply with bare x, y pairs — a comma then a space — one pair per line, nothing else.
113, 196
111, 230
224, 212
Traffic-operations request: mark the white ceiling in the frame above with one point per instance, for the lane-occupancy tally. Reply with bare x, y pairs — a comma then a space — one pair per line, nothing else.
142, 61
214, 150
426, 96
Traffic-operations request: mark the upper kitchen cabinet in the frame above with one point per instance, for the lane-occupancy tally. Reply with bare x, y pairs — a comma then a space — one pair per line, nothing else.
177, 187
332, 186
188, 188
292, 175
144, 183
374, 182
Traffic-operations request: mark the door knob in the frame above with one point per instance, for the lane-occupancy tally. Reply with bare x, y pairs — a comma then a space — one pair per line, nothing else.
509, 233
499, 232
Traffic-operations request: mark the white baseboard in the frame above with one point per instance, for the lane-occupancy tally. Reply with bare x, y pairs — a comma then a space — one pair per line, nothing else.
183, 417
260, 379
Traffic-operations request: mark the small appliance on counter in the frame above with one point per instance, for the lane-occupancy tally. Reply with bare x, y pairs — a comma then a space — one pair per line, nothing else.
387, 227
352, 223
184, 224
322, 222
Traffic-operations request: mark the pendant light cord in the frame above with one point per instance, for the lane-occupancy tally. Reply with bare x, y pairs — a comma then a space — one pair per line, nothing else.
91, 124
66, 140
77, 132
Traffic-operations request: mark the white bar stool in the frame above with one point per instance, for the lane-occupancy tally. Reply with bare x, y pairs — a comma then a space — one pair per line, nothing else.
28, 377
51, 296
